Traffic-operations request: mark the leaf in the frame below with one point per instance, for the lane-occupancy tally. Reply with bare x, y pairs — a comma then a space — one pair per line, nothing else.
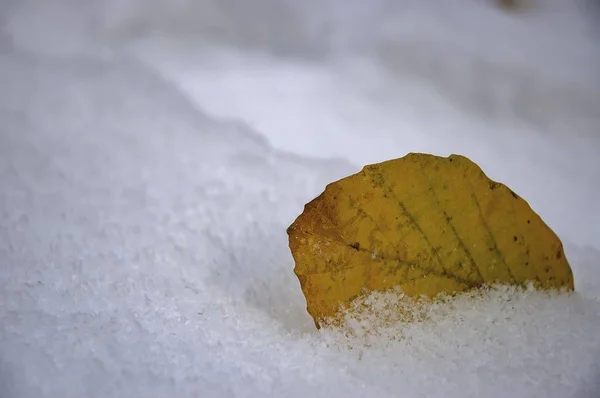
426, 224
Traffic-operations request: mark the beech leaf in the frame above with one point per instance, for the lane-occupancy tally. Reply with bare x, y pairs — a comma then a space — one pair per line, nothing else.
425, 224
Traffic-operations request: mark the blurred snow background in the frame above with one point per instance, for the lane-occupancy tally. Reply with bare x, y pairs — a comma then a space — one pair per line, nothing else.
153, 153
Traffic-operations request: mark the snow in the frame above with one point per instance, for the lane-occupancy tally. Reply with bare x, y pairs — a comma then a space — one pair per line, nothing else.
152, 155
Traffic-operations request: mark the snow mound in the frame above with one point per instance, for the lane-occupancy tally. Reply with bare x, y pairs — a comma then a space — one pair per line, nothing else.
143, 250
500, 341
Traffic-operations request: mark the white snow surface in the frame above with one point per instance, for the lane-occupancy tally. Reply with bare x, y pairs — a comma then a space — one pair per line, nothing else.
153, 153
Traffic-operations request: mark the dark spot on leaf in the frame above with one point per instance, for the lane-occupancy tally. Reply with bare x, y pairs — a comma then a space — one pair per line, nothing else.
528, 221
558, 254
494, 185
513, 194
450, 159
526, 262
378, 180
355, 246
547, 269
515, 238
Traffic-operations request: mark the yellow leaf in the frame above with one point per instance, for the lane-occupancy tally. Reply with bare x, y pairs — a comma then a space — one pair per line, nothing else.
426, 224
